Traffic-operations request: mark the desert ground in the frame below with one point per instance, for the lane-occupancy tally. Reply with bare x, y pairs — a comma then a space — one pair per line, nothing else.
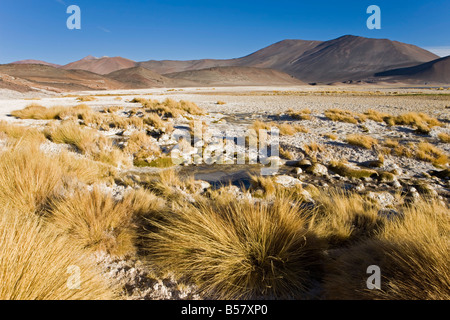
362, 179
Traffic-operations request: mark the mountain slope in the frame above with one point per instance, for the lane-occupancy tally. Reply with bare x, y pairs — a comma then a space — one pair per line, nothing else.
57, 79
353, 58
138, 77
436, 71
31, 61
236, 76
344, 58
103, 65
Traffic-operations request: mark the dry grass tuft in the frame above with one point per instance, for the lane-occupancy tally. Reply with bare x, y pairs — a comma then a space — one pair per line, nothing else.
304, 114
342, 218
376, 115
28, 178
36, 264
38, 112
22, 133
430, 153
313, 148
289, 130
412, 253
362, 141
142, 148
235, 250
331, 136
95, 221
343, 169
86, 98
342, 116
444, 137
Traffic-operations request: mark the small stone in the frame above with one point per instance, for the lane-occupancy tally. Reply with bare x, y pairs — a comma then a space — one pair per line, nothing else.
396, 184
298, 171
384, 199
304, 163
360, 188
318, 169
287, 181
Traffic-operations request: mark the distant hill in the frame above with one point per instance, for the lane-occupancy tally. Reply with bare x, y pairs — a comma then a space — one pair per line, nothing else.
56, 79
30, 61
345, 58
436, 71
353, 58
238, 76
103, 65
139, 77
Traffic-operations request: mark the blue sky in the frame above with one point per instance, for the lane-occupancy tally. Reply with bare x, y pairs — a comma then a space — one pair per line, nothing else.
143, 30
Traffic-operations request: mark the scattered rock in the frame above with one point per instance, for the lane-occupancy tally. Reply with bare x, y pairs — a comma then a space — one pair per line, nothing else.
384, 199
360, 188
318, 169
287, 181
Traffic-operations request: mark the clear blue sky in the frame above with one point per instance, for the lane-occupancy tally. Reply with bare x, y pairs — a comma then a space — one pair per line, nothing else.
174, 29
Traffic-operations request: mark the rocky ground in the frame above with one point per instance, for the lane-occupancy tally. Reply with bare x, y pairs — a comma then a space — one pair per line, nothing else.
396, 178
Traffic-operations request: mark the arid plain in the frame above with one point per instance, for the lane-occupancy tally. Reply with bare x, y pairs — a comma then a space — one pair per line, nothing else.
362, 179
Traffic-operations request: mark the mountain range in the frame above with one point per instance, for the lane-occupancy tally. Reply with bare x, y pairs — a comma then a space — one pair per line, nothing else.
347, 59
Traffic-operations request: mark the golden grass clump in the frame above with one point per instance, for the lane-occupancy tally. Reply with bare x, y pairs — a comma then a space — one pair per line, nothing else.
95, 221
412, 253
221, 102
85, 170
86, 98
342, 116
313, 148
170, 186
143, 148
169, 107
87, 141
38, 112
36, 264
391, 143
261, 186
288, 129
343, 169
71, 133
238, 249
342, 218
331, 136
21, 133
362, 141
304, 114
286, 154
444, 137
28, 178
376, 115
154, 120
416, 119
430, 153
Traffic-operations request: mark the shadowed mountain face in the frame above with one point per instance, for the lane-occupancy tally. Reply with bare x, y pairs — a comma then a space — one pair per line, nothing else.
436, 71
339, 60
100, 65
241, 76
138, 78
344, 58
352, 58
